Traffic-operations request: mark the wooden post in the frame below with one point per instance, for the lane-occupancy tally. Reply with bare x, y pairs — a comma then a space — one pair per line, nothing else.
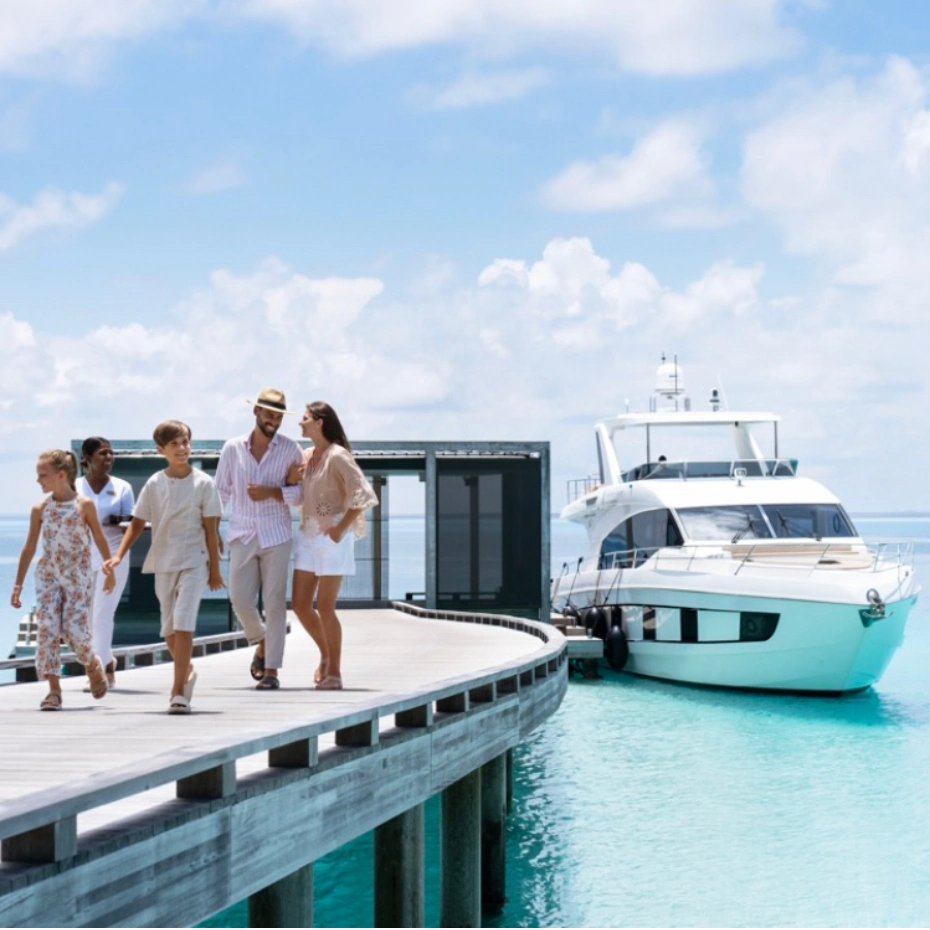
509, 781
493, 821
286, 903
460, 859
51, 843
399, 847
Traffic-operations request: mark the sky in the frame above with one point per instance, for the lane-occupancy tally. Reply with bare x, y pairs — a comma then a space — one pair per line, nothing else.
468, 220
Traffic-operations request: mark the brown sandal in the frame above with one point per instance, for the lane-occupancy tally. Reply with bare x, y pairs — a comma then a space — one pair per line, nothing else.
98, 678
51, 701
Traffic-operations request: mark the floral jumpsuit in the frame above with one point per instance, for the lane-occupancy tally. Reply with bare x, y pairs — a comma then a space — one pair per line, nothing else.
64, 587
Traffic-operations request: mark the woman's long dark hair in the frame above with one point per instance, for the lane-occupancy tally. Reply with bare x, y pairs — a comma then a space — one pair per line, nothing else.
332, 428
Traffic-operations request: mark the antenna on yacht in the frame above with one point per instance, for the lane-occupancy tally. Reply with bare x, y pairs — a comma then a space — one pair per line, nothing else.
722, 395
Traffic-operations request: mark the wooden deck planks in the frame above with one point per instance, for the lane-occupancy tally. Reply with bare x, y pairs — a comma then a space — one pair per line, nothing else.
387, 653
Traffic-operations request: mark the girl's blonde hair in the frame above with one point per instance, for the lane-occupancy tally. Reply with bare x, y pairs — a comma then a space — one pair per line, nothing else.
62, 460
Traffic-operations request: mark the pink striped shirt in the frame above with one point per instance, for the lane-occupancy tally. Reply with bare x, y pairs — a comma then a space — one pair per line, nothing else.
270, 520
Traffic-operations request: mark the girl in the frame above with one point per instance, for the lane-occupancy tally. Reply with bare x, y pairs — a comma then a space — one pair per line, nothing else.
64, 578
113, 500
335, 496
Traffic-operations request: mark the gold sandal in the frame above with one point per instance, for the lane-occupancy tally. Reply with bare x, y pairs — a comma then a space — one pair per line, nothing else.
98, 678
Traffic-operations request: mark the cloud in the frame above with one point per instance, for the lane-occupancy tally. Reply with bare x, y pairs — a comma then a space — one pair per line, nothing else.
666, 163
673, 37
221, 176
580, 303
476, 90
53, 209
73, 39
842, 169
534, 348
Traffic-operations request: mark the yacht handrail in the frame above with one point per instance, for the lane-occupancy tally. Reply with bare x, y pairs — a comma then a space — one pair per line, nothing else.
775, 555
713, 468
579, 487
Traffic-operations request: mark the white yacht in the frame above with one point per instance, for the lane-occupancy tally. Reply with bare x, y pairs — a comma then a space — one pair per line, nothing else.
726, 569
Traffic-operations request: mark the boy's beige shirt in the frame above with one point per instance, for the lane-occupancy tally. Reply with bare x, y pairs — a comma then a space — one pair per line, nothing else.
176, 508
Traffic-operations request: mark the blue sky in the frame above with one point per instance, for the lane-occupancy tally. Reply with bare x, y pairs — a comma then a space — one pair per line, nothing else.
467, 220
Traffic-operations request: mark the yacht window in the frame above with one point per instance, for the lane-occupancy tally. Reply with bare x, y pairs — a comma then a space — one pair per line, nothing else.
615, 549
809, 521
729, 524
636, 539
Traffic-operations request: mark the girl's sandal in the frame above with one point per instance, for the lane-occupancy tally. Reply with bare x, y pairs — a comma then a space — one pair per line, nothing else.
111, 673
320, 672
98, 678
51, 701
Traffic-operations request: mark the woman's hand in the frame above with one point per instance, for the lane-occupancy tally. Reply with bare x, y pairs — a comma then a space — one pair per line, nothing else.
14, 597
335, 533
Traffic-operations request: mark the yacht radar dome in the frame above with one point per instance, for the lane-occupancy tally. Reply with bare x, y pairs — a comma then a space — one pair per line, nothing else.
670, 382
670, 387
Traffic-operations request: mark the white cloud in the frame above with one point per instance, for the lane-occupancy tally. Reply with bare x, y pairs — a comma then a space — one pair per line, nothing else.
535, 348
842, 170
579, 303
221, 176
666, 163
53, 209
678, 37
74, 38
478, 89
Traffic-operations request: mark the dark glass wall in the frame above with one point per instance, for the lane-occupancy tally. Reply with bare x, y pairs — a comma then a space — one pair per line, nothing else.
488, 542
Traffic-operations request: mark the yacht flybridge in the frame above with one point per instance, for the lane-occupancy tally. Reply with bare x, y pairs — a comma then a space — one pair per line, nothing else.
726, 570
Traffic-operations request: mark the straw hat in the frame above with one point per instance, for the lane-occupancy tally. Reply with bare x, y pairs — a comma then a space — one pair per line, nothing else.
270, 398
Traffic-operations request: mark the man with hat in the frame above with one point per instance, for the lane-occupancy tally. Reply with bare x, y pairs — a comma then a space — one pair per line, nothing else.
252, 480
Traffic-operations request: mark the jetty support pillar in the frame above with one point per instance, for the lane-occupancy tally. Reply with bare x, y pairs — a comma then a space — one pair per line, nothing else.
287, 902
493, 827
399, 858
460, 853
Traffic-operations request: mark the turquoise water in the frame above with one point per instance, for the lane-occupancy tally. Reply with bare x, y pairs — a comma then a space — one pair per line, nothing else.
646, 804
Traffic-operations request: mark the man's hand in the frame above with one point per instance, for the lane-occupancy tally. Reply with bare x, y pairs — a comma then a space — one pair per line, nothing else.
215, 581
295, 474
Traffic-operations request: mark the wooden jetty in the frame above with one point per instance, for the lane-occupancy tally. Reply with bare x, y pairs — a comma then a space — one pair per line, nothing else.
113, 813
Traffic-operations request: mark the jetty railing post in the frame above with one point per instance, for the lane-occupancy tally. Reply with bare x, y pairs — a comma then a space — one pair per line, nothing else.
287, 902
460, 853
399, 852
493, 823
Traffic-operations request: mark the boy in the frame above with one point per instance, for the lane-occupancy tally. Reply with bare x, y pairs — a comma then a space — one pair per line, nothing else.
183, 506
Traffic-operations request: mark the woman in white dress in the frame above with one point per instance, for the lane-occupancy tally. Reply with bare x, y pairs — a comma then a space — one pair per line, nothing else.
114, 500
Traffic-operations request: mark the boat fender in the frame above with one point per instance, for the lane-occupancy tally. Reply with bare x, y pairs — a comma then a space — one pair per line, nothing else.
570, 613
595, 622
616, 649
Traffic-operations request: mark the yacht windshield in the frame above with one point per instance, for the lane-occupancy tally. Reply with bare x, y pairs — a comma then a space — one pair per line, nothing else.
724, 523
813, 521
769, 521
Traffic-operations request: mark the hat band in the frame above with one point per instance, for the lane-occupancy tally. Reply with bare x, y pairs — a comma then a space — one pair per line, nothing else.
275, 405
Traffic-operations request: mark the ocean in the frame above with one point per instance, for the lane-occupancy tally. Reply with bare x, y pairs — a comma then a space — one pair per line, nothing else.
648, 804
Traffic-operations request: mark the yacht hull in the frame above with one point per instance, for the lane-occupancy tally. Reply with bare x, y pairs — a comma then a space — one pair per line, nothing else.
816, 648
830, 645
